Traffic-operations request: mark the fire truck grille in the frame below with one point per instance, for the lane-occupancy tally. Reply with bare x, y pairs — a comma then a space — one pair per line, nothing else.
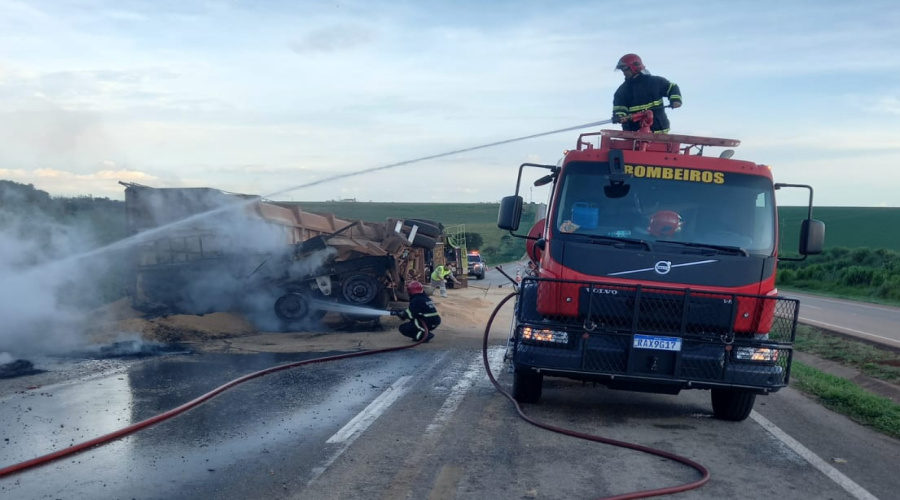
664, 333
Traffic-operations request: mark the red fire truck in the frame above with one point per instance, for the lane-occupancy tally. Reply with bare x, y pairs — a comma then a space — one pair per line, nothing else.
656, 268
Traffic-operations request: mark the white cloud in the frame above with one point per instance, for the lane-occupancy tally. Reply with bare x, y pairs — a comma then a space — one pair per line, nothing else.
253, 98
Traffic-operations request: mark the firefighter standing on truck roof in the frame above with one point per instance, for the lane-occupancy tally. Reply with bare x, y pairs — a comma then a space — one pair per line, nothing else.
421, 314
642, 91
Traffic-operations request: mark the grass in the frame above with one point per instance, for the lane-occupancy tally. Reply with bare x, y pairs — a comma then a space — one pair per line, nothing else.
870, 360
841, 395
846, 398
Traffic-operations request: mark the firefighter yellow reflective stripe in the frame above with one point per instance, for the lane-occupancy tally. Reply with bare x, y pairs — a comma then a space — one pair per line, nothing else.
643, 107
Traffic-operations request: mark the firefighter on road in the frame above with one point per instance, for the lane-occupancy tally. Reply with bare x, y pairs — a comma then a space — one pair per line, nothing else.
439, 278
421, 314
642, 91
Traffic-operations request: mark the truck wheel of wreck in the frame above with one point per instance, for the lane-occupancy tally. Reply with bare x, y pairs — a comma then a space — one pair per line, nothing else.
732, 405
428, 228
292, 307
360, 289
527, 386
422, 241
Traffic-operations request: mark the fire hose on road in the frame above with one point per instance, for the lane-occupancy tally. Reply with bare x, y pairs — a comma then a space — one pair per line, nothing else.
590, 437
108, 438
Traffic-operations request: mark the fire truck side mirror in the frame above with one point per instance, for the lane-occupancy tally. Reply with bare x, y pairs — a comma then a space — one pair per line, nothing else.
510, 213
543, 181
812, 237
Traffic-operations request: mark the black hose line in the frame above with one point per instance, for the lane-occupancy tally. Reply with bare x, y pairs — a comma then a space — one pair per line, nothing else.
590, 437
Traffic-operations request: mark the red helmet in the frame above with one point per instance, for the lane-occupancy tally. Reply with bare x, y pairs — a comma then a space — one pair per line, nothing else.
414, 287
664, 223
632, 62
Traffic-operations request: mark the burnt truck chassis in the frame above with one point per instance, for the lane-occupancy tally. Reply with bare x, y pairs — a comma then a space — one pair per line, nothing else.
365, 281
626, 336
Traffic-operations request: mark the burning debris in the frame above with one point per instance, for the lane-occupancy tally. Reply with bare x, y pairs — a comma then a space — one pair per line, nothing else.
18, 368
201, 250
137, 349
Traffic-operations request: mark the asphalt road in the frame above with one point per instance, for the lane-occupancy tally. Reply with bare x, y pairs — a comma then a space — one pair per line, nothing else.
423, 424
875, 323
420, 424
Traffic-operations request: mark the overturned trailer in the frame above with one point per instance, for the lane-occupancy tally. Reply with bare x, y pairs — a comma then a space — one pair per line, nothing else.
203, 250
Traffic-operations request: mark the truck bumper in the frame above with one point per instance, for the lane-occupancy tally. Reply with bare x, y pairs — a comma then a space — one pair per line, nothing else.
612, 359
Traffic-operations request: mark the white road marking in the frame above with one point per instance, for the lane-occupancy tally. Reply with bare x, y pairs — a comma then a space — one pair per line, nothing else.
466, 381
355, 427
835, 475
364, 419
844, 328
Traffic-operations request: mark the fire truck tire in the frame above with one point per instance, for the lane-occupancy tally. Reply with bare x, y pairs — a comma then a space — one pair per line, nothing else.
426, 227
732, 405
527, 386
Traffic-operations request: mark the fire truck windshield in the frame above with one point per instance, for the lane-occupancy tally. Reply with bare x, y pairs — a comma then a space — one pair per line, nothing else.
663, 204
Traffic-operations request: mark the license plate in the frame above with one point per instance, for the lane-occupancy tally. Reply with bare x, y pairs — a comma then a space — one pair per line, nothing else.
658, 343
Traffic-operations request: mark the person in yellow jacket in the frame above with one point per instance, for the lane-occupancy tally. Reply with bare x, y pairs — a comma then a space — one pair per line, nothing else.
439, 278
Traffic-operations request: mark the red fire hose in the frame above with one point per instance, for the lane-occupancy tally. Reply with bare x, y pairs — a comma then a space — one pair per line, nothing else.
21, 466
112, 436
597, 439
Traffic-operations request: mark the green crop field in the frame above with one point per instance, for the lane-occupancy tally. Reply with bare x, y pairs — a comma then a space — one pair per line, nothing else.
852, 227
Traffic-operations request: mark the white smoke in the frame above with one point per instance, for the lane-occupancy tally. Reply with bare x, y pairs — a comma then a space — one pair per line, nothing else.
194, 251
41, 294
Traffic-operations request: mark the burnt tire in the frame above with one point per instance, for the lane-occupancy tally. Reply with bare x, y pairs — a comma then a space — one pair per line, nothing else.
426, 227
732, 405
527, 386
292, 307
360, 289
423, 241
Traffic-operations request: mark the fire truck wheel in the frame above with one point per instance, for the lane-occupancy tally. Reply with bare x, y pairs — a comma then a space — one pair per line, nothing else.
426, 227
527, 386
292, 307
732, 405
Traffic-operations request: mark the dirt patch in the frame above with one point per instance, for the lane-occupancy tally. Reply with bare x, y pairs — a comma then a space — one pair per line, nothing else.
176, 328
464, 313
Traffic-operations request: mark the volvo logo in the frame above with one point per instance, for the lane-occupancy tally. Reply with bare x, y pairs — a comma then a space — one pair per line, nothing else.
663, 267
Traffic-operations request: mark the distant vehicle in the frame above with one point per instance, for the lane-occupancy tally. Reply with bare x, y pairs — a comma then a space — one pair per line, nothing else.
477, 266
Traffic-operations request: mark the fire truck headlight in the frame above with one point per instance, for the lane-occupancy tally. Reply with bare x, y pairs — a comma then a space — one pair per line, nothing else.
539, 335
756, 354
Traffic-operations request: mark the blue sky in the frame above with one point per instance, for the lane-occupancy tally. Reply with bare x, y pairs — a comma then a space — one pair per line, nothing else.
260, 96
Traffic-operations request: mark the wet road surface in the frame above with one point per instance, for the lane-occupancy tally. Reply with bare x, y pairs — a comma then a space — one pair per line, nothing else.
419, 423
